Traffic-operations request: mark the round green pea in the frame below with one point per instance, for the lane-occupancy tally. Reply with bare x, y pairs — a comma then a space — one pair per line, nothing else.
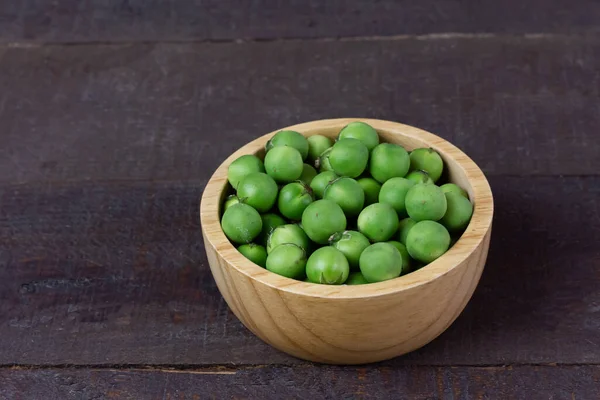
452, 187
258, 190
347, 193
361, 131
428, 160
349, 157
285, 234
404, 227
321, 219
351, 244
317, 144
458, 213
327, 265
427, 241
393, 192
287, 260
229, 201
320, 182
371, 188
419, 177
356, 278
387, 161
425, 201
293, 200
378, 222
243, 166
269, 223
284, 164
255, 253
290, 139
406, 261
323, 163
380, 262
241, 223
308, 174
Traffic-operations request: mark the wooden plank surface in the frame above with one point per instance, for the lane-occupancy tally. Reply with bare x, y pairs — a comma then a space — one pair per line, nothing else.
146, 20
115, 273
310, 382
174, 112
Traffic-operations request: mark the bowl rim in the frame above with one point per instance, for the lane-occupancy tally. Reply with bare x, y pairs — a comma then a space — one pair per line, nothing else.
471, 239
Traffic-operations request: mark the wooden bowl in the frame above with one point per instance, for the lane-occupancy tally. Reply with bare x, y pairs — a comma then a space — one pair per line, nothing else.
352, 324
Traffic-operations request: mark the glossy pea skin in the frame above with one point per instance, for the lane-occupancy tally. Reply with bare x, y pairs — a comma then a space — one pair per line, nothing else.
452, 187
419, 177
393, 192
285, 234
317, 144
351, 244
427, 241
406, 261
255, 253
361, 131
356, 278
229, 201
321, 219
323, 163
287, 260
425, 201
293, 199
308, 174
378, 222
284, 164
327, 265
243, 166
290, 139
428, 160
270, 221
458, 213
404, 227
387, 161
241, 223
349, 157
347, 193
380, 262
320, 182
258, 190
371, 188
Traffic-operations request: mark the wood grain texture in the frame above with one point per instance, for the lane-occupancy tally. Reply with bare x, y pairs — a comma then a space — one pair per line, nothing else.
456, 383
138, 20
71, 113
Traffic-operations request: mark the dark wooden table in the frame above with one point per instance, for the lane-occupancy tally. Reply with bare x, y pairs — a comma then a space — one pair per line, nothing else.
113, 115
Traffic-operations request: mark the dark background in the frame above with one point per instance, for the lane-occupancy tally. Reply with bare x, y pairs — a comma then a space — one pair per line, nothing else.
114, 114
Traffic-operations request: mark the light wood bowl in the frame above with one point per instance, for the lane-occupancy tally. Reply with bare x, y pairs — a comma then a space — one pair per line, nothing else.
352, 324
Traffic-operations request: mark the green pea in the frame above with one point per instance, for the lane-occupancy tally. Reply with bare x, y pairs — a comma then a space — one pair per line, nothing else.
293, 200
290, 139
229, 201
317, 144
320, 182
349, 157
269, 223
403, 228
284, 164
255, 253
347, 193
323, 163
241, 223
387, 161
327, 265
371, 188
425, 201
427, 160
258, 190
419, 177
356, 278
427, 241
378, 222
308, 174
287, 260
321, 219
458, 213
361, 131
285, 234
406, 261
380, 262
351, 244
452, 187
243, 166
393, 192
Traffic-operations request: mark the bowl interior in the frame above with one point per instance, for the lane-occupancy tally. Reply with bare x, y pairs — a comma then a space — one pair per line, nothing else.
458, 168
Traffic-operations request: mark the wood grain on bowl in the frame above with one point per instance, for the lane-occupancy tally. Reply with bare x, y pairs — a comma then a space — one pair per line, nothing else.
353, 324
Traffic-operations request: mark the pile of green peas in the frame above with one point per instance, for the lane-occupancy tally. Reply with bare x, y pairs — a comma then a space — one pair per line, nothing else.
353, 211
